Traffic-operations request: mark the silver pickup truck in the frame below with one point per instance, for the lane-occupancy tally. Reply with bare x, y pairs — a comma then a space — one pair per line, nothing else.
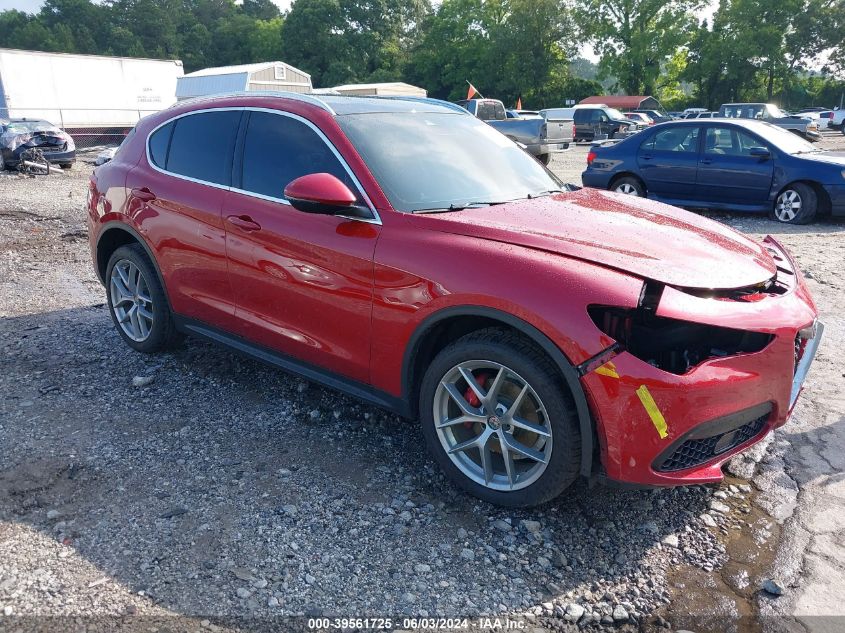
541, 137
771, 114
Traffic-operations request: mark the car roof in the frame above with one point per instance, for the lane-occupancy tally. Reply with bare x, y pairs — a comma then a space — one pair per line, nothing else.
343, 104
751, 124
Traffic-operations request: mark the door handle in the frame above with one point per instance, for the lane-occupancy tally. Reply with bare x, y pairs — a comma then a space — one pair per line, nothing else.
706, 161
244, 222
646, 157
144, 194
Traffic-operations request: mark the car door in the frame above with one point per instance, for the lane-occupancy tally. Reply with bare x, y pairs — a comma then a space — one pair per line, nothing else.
175, 198
303, 282
668, 160
727, 172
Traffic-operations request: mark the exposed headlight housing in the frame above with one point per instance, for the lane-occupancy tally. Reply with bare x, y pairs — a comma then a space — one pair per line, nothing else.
673, 345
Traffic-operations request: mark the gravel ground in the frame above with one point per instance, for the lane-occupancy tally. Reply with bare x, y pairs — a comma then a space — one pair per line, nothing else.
198, 485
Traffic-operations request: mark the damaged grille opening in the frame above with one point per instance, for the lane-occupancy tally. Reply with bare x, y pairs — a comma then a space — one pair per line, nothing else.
673, 345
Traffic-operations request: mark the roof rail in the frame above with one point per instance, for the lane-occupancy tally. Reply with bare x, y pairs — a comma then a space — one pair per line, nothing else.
279, 94
440, 102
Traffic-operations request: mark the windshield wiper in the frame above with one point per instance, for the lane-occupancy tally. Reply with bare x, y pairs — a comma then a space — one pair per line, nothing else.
547, 192
460, 207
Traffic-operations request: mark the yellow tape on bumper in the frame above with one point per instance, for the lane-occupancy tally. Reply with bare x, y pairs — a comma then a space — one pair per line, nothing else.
608, 369
653, 412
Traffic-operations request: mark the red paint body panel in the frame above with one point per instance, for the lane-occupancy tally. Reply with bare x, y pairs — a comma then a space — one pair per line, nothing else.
350, 296
303, 284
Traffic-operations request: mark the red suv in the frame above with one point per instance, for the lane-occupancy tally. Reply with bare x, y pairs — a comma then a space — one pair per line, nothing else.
402, 251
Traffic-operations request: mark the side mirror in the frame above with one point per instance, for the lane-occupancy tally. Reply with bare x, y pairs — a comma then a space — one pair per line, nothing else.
320, 193
759, 152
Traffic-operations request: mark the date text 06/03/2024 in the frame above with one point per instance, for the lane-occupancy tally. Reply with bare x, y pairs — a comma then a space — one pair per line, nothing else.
431, 624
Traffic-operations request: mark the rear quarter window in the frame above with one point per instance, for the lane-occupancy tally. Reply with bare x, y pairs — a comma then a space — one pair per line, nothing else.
201, 146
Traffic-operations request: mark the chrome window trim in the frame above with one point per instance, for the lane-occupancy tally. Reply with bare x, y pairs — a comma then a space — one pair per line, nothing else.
376, 219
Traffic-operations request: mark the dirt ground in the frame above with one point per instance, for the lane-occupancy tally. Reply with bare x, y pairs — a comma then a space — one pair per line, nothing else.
198, 490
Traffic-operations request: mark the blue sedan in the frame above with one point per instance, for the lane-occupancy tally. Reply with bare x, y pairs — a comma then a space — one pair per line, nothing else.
736, 165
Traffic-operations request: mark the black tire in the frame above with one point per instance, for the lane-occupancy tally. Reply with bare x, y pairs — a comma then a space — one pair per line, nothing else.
545, 159
2, 162
163, 334
520, 355
628, 182
66, 165
809, 204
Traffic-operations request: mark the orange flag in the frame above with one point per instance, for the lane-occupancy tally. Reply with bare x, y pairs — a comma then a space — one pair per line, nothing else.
472, 91
519, 102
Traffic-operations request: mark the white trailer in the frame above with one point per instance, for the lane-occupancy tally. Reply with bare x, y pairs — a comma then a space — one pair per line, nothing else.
84, 91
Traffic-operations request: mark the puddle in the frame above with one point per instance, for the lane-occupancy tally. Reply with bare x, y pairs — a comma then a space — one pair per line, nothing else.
723, 600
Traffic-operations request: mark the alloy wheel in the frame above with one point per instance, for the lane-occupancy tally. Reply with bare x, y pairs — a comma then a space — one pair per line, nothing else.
788, 205
627, 188
131, 300
492, 425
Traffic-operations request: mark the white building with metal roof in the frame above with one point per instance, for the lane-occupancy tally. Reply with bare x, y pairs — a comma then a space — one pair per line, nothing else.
385, 89
245, 77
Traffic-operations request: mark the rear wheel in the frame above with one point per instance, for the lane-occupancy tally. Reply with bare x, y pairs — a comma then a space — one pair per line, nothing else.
138, 305
498, 421
796, 204
545, 158
628, 185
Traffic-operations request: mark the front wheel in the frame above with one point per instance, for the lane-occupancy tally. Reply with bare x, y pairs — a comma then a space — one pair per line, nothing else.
796, 204
498, 420
545, 159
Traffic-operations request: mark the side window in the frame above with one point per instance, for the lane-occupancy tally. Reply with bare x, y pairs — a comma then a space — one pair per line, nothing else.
648, 144
676, 139
729, 142
279, 149
159, 141
498, 111
202, 144
581, 115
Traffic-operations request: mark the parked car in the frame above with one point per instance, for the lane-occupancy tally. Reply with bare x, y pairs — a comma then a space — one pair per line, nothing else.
655, 115
733, 164
592, 121
410, 255
690, 113
704, 115
639, 117
837, 120
541, 137
771, 114
676, 115
18, 136
822, 118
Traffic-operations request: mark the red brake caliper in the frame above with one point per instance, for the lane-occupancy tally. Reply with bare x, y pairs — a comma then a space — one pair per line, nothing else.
470, 396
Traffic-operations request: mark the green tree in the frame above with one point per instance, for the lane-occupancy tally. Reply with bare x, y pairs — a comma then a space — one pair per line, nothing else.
635, 37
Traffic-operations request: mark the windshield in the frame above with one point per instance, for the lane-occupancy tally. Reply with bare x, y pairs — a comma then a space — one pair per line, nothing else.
22, 127
786, 141
425, 160
613, 113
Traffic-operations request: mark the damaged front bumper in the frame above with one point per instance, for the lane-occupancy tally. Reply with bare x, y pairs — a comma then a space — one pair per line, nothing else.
661, 428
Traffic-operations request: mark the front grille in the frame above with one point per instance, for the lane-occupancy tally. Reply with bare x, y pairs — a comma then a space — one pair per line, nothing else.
693, 452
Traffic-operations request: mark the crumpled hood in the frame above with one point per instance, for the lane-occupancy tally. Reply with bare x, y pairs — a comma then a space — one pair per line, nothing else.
647, 238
